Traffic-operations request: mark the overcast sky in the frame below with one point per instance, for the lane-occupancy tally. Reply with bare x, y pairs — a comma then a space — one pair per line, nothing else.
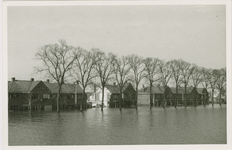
196, 34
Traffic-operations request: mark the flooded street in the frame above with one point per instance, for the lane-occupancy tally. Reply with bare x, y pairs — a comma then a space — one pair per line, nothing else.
201, 125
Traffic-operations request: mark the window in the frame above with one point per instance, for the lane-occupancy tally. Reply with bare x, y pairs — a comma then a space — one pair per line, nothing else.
54, 95
34, 96
157, 96
14, 95
79, 96
72, 96
126, 96
46, 96
133, 96
115, 96
40, 87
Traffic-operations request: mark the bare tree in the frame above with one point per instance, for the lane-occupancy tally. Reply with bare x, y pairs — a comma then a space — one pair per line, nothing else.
121, 70
206, 75
165, 76
177, 74
221, 83
197, 77
104, 69
57, 61
84, 67
137, 67
151, 73
186, 72
215, 75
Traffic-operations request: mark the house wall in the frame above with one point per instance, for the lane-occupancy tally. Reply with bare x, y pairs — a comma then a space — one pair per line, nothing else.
158, 99
106, 96
17, 100
114, 100
129, 96
143, 99
67, 101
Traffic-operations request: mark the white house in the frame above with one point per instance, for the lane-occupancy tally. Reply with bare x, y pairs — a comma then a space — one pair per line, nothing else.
107, 94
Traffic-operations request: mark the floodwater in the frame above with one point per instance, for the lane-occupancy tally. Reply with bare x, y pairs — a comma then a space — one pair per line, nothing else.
200, 125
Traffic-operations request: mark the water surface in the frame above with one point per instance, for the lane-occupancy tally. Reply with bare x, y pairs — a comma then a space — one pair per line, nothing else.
200, 125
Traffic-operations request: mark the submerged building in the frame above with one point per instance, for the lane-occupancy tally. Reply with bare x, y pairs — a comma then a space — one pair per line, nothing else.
42, 95
169, 95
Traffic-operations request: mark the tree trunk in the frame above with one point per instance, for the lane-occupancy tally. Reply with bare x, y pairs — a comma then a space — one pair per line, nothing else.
82, 100
58, 99
29, 106
120, 98
176, 96
136, 97
185, 96
195, 100
204, 99
103, 87
164, 100
151, 99
212, 97
220, 96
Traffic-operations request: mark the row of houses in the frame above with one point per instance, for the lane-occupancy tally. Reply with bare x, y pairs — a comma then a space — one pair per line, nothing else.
42, 95
161, 94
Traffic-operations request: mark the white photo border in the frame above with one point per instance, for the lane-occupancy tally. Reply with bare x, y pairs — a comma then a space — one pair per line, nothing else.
84, 3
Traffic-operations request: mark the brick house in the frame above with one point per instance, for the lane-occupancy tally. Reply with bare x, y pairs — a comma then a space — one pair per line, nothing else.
200, 96
128, 95
159, 93
26, 94
70, 96
181, 95
41, 95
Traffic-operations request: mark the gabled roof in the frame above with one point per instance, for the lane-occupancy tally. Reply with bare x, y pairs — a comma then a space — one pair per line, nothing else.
66, 88
115, 88
25, 86
181, 90
200, 90
156, 89
21, 86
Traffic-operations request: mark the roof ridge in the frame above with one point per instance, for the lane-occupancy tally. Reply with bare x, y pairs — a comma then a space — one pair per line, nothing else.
10, 86
30, 87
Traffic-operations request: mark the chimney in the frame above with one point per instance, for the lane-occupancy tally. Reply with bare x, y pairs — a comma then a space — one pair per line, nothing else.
47, 80
13, 79
32, 79
78, 82
114, 83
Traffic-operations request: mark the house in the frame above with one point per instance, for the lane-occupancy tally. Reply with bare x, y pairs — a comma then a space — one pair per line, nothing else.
181, 95
128, 95
199, 96
41, 95
98, 96
194, 96
143, 98
27, 94
70, 95
159, 93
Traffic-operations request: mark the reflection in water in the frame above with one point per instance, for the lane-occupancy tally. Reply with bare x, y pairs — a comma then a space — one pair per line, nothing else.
114, 127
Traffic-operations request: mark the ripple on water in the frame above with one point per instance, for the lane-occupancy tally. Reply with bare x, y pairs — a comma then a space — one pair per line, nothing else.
201, 125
